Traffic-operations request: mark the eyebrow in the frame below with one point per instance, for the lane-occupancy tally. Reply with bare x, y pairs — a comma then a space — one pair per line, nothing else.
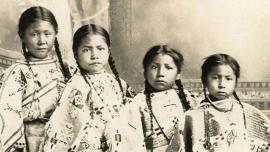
100, 45
221, 75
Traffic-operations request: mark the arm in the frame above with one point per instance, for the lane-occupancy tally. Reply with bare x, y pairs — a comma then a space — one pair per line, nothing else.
65, 123
125, 132
11, 93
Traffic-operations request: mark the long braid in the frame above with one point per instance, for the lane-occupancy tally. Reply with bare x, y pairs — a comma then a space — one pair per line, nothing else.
182, 95
242, 106
25, 54
65, 70
149, 140
115, 72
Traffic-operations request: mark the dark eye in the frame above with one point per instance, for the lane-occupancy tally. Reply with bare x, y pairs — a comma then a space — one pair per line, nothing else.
214, 77
48, 34
85, 50
169, 67
101, 48
33, 34
229, 78
153, 67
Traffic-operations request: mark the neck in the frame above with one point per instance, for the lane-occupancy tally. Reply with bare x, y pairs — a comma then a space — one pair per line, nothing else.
221, 106
93, 73
212, 98
31, 58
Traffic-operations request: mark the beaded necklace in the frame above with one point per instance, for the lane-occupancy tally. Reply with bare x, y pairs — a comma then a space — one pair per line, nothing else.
220, 109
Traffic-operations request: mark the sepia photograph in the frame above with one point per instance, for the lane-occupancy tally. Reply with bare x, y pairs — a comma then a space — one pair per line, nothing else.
134, 76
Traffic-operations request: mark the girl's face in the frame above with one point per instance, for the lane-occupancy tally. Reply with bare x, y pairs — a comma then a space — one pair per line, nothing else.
93, 54
161, 72
39, 39
221, 82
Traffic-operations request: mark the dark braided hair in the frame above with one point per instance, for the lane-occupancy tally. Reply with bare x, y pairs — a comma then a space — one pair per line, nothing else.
93, 29
112, 66
215, 60
221, 59
33, 15
182, 95
59, 55
149, 140
178, 60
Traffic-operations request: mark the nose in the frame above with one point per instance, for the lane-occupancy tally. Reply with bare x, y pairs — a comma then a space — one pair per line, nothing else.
160, 72
221, 83
41, 39
94, 54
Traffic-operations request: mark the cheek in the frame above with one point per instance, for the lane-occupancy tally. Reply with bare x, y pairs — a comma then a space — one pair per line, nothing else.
150, 74
81, 58
233, 85
211, 83
106, 56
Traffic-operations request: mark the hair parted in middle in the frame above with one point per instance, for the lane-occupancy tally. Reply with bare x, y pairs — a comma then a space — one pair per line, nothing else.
32, 15
93, 29
178, 60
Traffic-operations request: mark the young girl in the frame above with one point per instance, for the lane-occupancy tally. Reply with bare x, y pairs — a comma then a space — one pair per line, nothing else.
31, 88
222, 123
156, 115
91, 99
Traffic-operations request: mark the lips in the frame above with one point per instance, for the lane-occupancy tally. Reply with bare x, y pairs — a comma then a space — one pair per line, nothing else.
95, 63
221, 93
40, 49
160, 81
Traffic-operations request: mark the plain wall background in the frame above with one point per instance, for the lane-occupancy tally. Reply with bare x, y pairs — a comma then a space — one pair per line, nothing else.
197, 28
240, 28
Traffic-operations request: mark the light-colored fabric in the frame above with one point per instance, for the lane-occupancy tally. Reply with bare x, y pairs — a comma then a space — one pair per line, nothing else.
83, 117
27, 96
223, 128
169, 112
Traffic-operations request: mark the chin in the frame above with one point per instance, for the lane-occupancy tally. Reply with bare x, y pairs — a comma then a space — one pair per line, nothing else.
161, 88
40, 57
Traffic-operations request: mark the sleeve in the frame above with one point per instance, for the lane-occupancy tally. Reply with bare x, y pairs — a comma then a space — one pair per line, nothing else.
11, 117
66, 123
126, 133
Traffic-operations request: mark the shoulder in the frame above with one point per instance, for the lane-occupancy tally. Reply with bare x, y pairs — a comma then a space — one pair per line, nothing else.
15, 69
139, 96
139, 99
127, 89
251, 110
76, 80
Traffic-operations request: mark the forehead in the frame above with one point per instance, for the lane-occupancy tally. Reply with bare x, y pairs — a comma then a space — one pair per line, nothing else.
93, 39
163, 59
225, 70
41, 25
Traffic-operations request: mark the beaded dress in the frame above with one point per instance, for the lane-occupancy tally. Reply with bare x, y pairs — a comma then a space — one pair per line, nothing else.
156, 126
28, 95
225, 126
82, 121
